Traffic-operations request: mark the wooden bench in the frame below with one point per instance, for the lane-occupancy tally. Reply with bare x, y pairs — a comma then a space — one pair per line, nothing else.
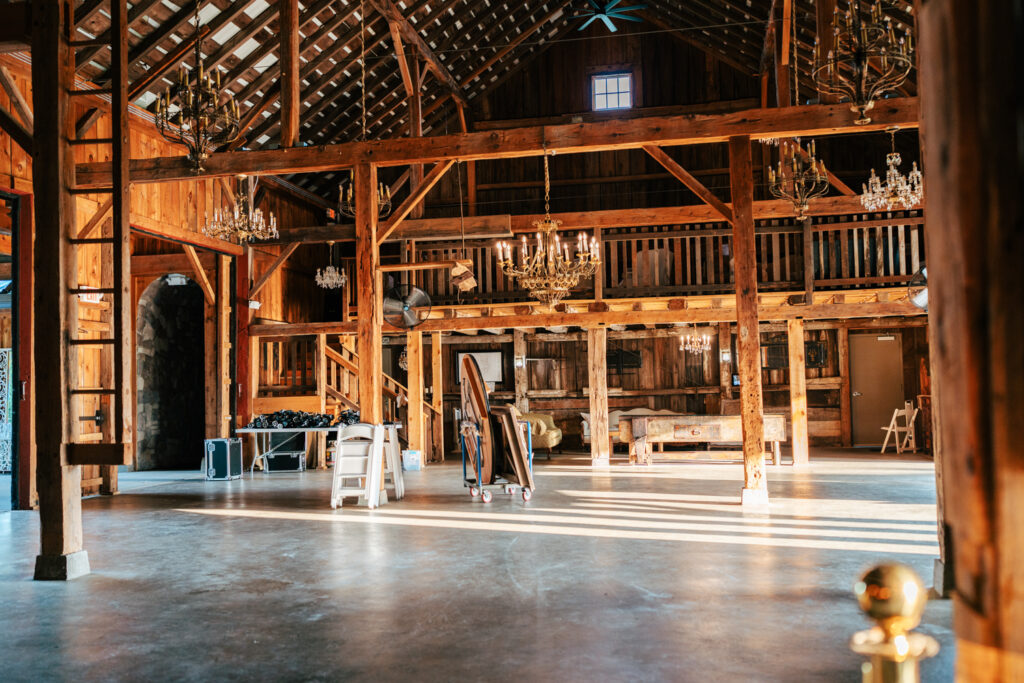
641, 433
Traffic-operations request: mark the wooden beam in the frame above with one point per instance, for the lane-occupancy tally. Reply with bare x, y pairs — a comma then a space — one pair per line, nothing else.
61, 554
97, 217
202, 279
437, 394
414, 354
18, 101
410, 83
291, 101
415, 197
423, 265
224, 373
169, 61
805, 121
798, 392
683, 176
21, 135
149, 265
394, 17
597, 366
520, 373
725, 366
755, 486
244, 381
808, 259
286, 251
368, 290
16, 26
823, 12
845, 414
421, 230
86, 121
173, 232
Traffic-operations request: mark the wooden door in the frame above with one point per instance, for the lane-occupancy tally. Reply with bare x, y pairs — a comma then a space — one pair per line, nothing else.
876, 384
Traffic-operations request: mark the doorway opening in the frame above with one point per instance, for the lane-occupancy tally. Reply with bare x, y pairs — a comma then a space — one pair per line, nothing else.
170, 397
876, 384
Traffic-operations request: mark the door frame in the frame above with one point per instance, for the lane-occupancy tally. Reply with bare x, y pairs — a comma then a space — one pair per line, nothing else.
902, 380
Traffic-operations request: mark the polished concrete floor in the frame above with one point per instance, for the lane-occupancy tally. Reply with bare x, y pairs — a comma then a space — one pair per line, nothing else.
638, 574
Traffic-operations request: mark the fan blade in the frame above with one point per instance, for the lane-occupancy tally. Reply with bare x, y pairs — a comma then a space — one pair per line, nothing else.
393, 305
608, 23
924, 271
610, 5
588, 22
417, 298
622, 10
410, 319
593, 3
628, 17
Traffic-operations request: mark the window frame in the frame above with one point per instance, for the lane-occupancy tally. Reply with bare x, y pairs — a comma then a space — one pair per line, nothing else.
602, 75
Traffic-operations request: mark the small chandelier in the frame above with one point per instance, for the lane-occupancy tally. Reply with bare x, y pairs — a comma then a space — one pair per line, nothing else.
695, 342
331, 277
867, 60
347, 199
898, 189
192, 114
801, 180
545, 269
246, 222
403, 358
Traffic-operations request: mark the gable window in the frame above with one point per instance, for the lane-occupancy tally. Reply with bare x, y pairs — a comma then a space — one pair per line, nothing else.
612, 91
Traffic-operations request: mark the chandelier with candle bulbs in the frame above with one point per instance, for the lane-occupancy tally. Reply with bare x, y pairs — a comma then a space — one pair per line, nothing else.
898, 190
331, 277
195, 113
799, 177
245, 222
868, 57
694, 341
546, 268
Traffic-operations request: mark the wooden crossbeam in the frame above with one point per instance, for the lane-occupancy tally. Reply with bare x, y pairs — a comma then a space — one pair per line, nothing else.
170, 60
100, 214
287, 251
86, 121
424, 265
805, 121
201, 277
394, 17
684, 176
13, 127
414, 198
18, 101
403, 60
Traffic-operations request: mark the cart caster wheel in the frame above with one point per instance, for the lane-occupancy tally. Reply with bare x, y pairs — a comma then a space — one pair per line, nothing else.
486, 496
510, 490
474, 491
527, 495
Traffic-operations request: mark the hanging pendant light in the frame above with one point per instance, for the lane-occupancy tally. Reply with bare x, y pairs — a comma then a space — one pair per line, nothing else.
800, 177
545, 268
245, 223
898, 190
196, 114
331, 277
694, 341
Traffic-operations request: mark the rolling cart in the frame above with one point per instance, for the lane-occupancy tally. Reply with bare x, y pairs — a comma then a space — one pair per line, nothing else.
468, 430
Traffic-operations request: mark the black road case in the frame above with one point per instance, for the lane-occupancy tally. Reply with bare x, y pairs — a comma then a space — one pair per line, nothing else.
223, 459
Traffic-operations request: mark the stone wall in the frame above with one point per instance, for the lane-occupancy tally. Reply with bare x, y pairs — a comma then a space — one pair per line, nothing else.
170, 418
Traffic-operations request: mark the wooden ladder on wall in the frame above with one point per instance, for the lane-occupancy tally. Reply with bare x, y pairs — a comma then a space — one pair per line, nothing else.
99, 350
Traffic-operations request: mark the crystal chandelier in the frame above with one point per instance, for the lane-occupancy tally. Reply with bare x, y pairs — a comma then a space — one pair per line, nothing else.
693, 341
331, 277
545, 269
898, 189
801, 179
346, 193
192, 114
403, 358
245, 222
867, 59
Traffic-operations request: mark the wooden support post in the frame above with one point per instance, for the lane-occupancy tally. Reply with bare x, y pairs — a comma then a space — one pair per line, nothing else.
755, 487
61, 553
597, 363
291, 99
211, 365
415, 126
976, 286
25, 466
808, 240
599, 273
845, 414
243, 316
823, 10
798, 392
782, 41
223, 347
725, 366
471, 201
371, 369
437, 394
414, 354
522, 376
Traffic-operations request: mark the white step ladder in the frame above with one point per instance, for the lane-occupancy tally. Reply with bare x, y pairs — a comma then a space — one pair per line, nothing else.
364, 455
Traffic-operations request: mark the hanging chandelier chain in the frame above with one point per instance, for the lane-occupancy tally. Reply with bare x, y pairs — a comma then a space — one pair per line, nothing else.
547, 188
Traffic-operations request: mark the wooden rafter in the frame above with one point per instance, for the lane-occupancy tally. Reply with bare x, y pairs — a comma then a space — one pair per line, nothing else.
18, 101
684, 176
286, 251
21, 135
170, 60
291, 83
414, 198
201, 277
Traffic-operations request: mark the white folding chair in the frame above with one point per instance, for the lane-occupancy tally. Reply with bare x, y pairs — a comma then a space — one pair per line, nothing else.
903, 435
357, 464
393, 462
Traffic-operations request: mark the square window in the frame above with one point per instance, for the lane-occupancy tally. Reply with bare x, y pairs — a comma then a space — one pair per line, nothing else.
612, 91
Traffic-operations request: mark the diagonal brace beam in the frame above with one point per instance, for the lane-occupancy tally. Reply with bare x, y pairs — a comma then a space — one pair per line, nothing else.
415, 197
685, 178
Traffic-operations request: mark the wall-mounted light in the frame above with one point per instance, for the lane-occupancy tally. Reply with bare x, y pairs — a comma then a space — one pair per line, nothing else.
520, 362
176, 280
726, 356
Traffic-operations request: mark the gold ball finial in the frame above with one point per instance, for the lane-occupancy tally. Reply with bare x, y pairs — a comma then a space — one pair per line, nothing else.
893, 596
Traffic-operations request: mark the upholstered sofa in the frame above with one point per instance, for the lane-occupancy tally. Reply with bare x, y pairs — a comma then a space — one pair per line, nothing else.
543, 432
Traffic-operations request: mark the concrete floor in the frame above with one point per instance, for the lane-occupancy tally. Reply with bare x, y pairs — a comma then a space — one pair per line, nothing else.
637, 574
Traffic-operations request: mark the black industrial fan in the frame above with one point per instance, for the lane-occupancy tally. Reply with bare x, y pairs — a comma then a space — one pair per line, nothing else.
917, 289
406, 306
607, 13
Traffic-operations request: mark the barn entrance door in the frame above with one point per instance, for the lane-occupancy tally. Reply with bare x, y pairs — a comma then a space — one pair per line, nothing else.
876, 384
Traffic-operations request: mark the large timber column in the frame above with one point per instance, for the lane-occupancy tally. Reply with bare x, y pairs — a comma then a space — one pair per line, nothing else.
61, 553
243, 316
597, 362
414, 355
798, 391
519, 371
371, 368
437, 394
748, 339
972, 106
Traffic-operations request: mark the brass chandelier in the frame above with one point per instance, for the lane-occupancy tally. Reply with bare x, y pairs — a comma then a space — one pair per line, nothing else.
694, 341
196, 114
245, 222
800, 177
898, 189
331, 277
545, 268
867, 60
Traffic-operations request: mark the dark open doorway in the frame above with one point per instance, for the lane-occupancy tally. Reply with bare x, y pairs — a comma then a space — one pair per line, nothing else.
169, 375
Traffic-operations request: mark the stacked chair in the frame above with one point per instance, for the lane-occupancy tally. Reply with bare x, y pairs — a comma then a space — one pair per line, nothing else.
367, 457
